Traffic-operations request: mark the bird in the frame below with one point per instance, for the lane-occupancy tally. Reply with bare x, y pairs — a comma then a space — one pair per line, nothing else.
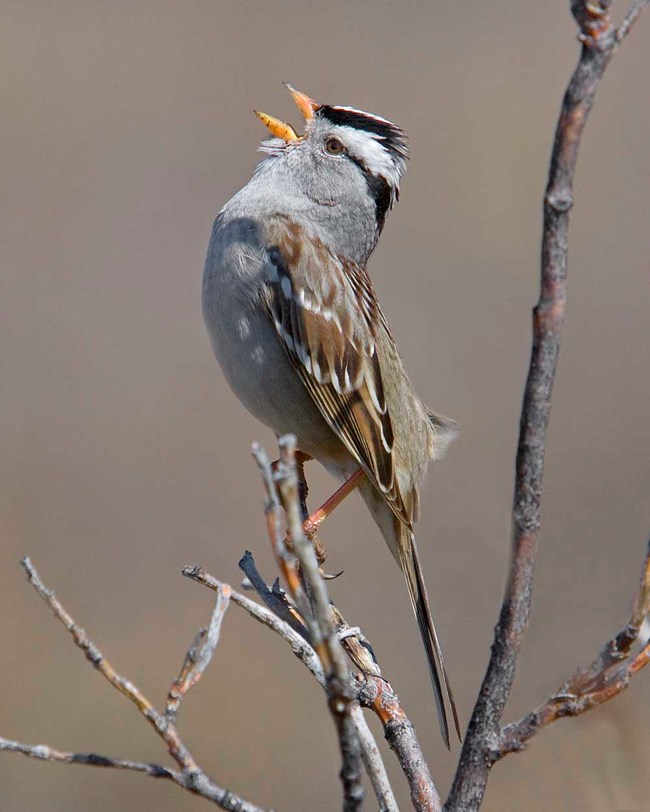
297, 329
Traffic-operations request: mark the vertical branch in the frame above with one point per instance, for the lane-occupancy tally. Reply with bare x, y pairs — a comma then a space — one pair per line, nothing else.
599, 40
339, 691
375, 693
373, 763
325, 631
314, 609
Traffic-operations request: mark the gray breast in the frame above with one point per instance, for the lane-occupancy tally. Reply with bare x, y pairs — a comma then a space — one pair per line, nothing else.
245, 341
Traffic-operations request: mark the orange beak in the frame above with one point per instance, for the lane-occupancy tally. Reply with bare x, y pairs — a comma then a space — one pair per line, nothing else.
280, 129
306, 105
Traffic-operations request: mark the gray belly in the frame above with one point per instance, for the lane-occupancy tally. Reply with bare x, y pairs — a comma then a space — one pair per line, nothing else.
262, 376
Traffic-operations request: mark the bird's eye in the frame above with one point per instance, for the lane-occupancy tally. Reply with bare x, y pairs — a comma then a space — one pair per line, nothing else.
334, 147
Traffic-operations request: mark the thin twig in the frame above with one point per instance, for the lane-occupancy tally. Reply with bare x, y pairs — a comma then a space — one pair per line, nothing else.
196, 783
373, 763
198, 656
193, 778
302, 649
43, 752
398, 730
480, 748
356, 645
275, 531
287, 484
282, 487
630, 19
101, 664
516, 736
375, 693
274, 599
608, 675
619, 647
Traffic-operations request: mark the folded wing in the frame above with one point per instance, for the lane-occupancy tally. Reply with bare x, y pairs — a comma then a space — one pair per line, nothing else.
315, 301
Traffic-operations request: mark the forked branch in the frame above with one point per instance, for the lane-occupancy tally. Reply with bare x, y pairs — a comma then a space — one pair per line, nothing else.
372, 689
608, 675
190, 776
599, 39
300, 646
307, 589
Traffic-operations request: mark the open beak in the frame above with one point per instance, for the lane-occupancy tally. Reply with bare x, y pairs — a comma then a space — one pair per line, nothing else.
280, 129
306, 105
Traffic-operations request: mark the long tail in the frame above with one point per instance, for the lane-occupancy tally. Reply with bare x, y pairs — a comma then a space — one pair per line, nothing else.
401, 542
410, 564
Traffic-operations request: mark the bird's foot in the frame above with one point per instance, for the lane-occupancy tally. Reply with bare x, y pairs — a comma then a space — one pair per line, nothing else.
330, 576
311, 531
351, 631
317, 544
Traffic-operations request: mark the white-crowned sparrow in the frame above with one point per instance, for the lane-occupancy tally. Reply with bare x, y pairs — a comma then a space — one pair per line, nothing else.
297, 329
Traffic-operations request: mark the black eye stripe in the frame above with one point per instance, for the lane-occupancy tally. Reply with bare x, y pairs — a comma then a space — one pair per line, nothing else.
359, 163
379, 189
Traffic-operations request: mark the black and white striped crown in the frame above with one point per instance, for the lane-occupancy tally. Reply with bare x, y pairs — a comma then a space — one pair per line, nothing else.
390, 135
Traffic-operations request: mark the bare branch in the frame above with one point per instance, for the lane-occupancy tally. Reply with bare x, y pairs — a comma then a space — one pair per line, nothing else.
198, 656
302, 649
196, 783
191, 776
591, 686
283, 485
630, 19
323, 629
619, 647
356, 646
480, 748
274, 599
373, 762
44, 753
90, 650
398, 730
376, 693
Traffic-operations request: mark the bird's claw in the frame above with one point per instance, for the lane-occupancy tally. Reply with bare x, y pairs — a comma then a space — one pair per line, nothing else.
353, 631
329, 576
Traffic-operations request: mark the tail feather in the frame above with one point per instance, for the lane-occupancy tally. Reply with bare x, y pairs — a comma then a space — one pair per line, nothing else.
420, 601
401, 543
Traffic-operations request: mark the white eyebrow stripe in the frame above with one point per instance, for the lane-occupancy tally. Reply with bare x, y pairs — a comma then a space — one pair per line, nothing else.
369, 149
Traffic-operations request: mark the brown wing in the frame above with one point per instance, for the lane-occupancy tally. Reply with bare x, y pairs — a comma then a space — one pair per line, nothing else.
328, 319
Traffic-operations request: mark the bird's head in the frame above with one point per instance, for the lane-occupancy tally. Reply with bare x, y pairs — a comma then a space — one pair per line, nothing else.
344, 155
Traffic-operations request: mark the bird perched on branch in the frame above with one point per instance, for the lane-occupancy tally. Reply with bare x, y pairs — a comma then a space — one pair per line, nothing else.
296, 327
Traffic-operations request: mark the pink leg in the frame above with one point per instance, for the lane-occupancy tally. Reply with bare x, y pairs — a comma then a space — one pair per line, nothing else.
318, 517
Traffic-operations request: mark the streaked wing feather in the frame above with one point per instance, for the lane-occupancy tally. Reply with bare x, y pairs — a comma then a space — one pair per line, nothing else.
327, 316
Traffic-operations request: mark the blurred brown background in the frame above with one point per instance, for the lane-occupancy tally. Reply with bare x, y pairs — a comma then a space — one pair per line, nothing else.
125, 127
